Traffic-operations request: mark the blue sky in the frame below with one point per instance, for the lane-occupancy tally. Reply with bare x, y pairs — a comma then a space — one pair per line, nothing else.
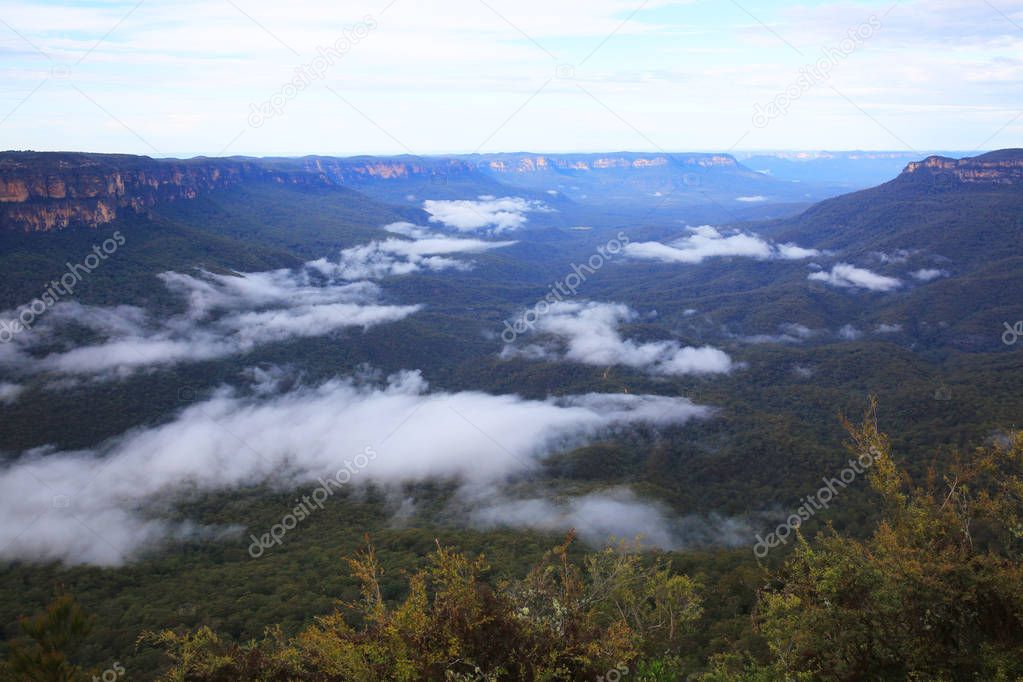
221, 77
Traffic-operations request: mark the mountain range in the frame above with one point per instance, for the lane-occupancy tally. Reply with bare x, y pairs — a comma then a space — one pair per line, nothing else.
44, 191
673, 368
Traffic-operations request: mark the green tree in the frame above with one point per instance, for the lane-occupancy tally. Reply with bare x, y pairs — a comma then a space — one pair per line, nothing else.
48, 641
935, 593
561, 622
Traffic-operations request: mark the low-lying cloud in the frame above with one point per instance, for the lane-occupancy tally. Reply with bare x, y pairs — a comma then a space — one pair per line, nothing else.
587, 332
707, 242
224, 315
846, 276
788, 332
393, 256
849, 333
928, 274
615, 513
106, 505
227, 314
9, 392
489, 213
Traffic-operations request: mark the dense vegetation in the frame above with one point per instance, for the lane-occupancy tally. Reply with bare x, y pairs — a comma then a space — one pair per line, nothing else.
945, 381
935, 592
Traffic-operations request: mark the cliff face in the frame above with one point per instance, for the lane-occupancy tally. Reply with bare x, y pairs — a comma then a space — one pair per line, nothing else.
367, 169
998, 168
356, 170
40, 192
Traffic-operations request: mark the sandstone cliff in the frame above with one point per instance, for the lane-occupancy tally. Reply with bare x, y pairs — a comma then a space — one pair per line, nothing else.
1001, 168
41, 191
47, 191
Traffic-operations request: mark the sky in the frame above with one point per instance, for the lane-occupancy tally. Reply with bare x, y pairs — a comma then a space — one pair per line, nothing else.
264, 78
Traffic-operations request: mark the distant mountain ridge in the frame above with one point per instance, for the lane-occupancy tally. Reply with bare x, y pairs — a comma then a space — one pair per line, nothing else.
920, 208
42, 191
849, 170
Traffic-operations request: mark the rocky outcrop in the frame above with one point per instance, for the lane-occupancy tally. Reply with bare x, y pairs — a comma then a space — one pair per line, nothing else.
41, 191
1003, 167
363, 169
48, 191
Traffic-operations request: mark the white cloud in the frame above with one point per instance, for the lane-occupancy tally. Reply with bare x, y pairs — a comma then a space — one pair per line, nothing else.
757, 198
225, 315
615, 513
589, 334
793, 252
897, 256
803, 371
844, 275
849, 333
499, 215
959, 61
234, 313
889, 328
384, 258
9, 392
707, 242
121, 489
790, 332
928, 274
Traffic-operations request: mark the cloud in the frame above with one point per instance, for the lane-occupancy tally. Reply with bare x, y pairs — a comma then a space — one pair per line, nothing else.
209, 60
889, 328
803, 371
227, 314
793, 252
790, 332
844, 275
115, 498
9, 392
615, 513
849, 333
752, 199
897, 256
424, 251
500, 215
707, 242
928, 274
589, 334
224, 315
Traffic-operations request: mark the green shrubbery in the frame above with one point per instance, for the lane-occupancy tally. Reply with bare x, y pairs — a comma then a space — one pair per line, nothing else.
935, 593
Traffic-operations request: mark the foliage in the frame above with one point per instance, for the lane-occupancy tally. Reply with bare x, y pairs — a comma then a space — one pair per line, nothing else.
767, 445
52, 637
935, 593
562, 621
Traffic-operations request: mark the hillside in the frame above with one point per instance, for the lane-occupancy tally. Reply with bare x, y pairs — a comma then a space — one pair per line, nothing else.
216, 322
